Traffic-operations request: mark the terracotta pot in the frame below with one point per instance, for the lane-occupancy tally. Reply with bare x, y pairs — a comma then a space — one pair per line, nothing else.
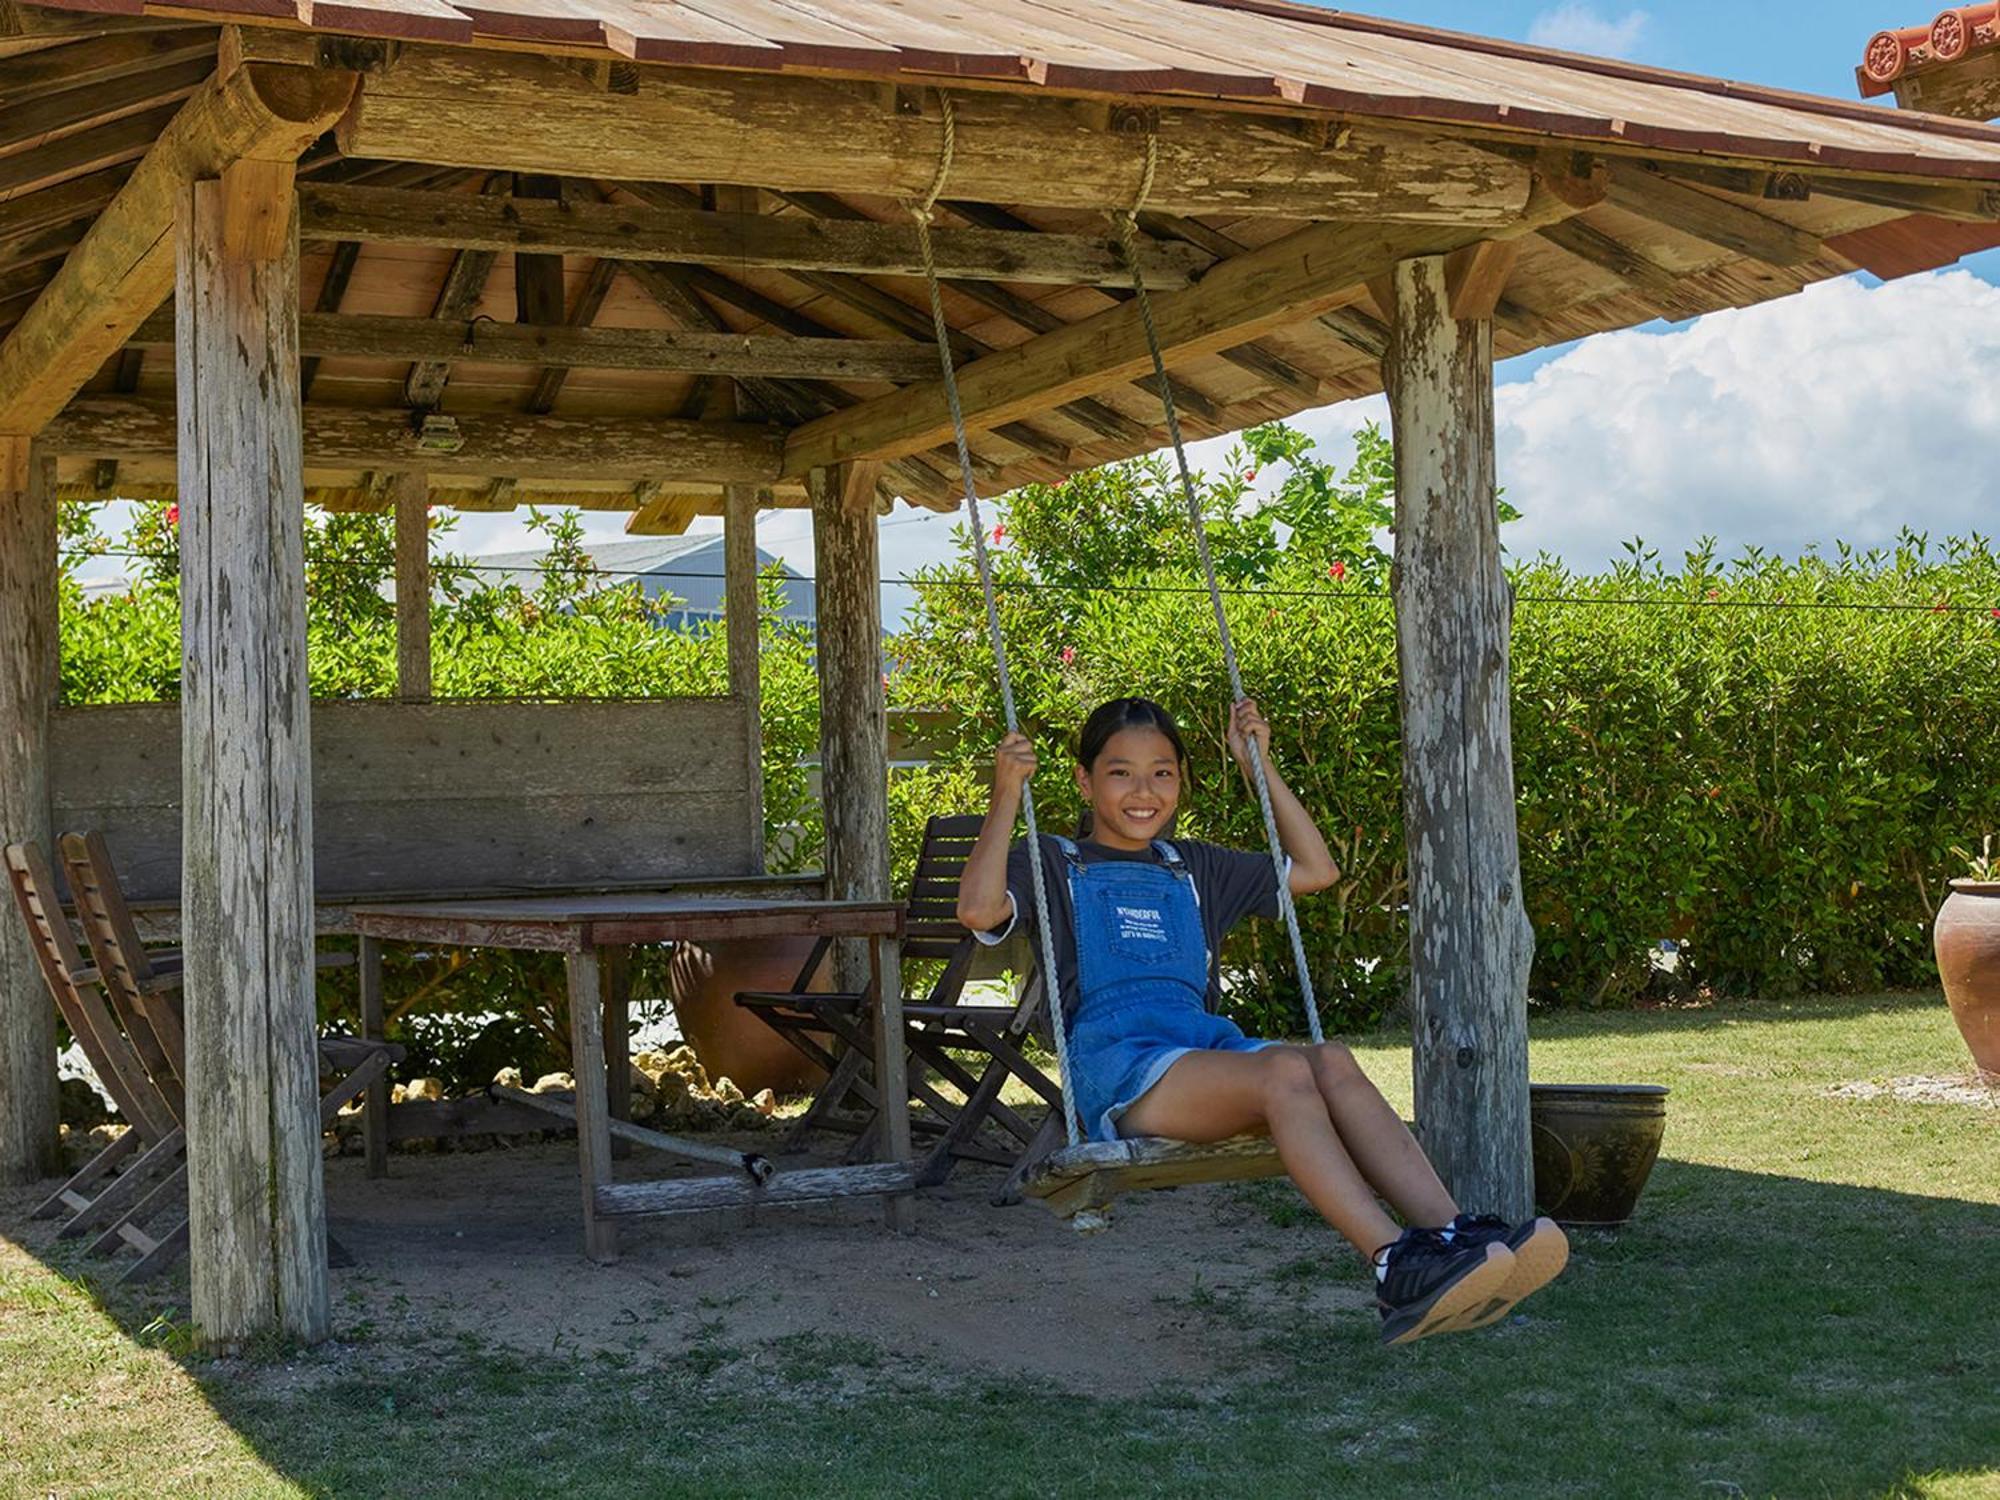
1967, 938
1595, 1144
730, 1041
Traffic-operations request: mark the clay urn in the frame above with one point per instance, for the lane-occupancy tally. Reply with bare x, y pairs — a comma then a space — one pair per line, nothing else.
730, 1041
1967, 938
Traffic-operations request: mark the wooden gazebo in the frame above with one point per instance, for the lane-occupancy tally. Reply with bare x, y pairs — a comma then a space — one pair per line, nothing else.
655, 256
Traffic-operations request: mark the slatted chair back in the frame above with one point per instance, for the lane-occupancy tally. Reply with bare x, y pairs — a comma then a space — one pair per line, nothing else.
932, 929
122, 959
110, 1051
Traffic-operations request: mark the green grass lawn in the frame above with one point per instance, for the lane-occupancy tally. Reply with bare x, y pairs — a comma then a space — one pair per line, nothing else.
1808, 1305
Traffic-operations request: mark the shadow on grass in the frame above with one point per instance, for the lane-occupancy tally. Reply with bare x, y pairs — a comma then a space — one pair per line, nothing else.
1749, 1334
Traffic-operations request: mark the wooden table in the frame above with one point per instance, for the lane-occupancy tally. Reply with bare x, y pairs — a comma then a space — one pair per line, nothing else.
593, 933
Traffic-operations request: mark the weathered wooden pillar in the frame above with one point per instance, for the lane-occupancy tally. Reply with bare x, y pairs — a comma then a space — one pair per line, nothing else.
854, 762
28, 650
741, 614
413, 587
853, 718
257, 1211
1470, 941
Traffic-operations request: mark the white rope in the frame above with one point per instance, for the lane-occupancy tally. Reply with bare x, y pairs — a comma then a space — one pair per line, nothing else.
1128, 234
922, 213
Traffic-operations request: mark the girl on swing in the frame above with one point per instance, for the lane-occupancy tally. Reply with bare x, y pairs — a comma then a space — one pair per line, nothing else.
1138, 921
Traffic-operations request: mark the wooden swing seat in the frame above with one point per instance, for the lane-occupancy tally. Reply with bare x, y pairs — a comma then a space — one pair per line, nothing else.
1084, 1179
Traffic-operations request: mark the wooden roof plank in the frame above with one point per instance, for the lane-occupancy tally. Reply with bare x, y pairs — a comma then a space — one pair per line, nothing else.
125, 266
405, 217
96, 60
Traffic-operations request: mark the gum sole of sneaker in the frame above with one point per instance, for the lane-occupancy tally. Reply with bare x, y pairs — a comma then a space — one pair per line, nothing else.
1469, 1293
1538, 1260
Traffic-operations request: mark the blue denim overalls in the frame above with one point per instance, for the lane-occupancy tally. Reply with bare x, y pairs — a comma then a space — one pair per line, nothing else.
1142, 967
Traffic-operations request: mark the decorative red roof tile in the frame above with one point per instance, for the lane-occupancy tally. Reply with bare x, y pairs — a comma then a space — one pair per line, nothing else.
1955, 34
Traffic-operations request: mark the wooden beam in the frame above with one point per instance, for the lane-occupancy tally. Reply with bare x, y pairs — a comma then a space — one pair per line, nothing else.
1291, 280
597, 282
1589, 243
339, 271
742, 613
1470, 941
256, 1199
123, 269
257, 210
564, 346
538, 276
28, 634
1691, 211
495, 444
792, 131
626, 232
854, 759
1477, 275
413, 586
464, 284
663, 514
1308, 272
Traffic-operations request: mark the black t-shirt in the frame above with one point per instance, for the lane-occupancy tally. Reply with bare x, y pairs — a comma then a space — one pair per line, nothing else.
1232, 883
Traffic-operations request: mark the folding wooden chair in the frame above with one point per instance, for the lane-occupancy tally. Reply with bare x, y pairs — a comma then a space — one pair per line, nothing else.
144, 987
833, 1030
124, 1172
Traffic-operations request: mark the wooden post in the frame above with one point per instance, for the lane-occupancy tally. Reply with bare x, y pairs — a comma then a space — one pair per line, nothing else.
28, 1100
257, 1209
1470, 940
741, 613
374, 1028
413, 588
593, 1124
854, 765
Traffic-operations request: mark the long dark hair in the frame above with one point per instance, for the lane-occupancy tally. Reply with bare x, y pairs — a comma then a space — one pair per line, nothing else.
1109, 719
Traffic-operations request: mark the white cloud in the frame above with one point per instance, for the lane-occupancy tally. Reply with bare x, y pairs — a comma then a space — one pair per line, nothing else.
1577, 27
1841, 414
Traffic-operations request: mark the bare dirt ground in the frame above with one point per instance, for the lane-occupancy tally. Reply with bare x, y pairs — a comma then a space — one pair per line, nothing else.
487, 1245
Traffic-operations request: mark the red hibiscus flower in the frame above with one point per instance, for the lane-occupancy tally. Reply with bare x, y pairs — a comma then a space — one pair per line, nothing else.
173, 515
1338, 571
1068, 655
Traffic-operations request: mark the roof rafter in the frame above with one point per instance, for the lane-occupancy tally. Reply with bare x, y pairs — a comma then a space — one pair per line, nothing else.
1300, 276
623, 232
125, 266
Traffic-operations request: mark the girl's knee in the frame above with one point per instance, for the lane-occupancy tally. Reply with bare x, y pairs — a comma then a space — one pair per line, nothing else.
1288, 1074
1333, 1064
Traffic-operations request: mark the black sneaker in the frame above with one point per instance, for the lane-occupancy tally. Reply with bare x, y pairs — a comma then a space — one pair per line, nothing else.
1430, 1283
1540, 1250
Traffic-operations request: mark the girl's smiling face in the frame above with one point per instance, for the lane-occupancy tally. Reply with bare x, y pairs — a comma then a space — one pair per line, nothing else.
1133, 788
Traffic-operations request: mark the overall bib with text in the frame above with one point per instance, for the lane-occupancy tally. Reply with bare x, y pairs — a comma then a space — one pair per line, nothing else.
1142, 973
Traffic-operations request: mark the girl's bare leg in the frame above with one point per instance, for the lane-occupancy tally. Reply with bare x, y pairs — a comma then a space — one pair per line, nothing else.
1211, 1096
1378, 1140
